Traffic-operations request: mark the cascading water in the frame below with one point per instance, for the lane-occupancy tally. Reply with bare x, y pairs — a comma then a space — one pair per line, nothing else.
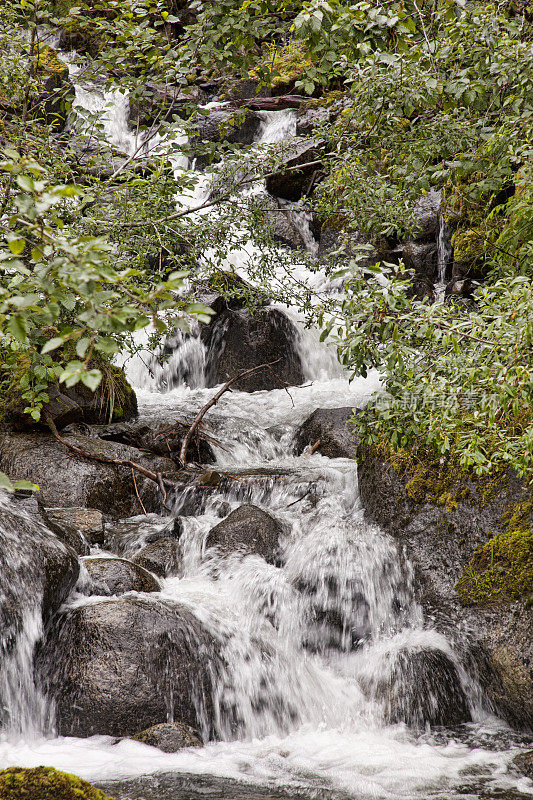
444, 255
324, 654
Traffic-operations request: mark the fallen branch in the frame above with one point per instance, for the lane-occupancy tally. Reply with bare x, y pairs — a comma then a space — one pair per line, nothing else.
214, 400
156, 477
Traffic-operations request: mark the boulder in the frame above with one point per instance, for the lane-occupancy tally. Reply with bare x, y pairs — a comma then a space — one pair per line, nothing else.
523, 764
280, 221
169, 737
449, 522
122, 664
162, 557
238, 340
228, 125
308, 120
111, 576
421, 258
422, 688
126, 537
66, 479
329, 428
45, 783
77, 527
247, 530
290, 183
427, 215
38, 570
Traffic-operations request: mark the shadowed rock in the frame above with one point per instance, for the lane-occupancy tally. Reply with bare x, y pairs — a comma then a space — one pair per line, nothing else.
110, 576
329, 428
247, 530
162, 557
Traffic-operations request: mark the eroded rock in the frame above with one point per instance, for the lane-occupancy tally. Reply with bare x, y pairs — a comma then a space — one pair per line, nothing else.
162, 557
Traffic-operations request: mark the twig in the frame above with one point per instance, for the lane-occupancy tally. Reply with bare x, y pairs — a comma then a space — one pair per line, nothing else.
137, 492
299, 499
214, 400
316, 445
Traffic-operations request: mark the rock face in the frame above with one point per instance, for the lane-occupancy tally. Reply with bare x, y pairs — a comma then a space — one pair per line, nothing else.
110, 576
238, 340
169, 737
292, 184
37, 569
123, 664
162, 557
329, 427
523, 764
66, 479
247, 530
441, 522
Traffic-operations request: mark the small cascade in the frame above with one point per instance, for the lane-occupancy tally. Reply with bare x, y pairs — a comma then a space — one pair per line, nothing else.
179, 361
444, 256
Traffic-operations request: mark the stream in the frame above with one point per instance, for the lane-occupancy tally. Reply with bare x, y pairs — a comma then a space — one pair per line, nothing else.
317, 651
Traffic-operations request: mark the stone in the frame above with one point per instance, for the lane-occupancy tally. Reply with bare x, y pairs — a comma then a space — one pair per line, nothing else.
279, 220
113, 576
38, 570
238, 340
310, 119
66, 479
292, 184
523, 764
247, 530
170, 737
122, 664
330, 428
78, 527
216, 127
422, 259
126, 537
427, 215
423, 688
162, 557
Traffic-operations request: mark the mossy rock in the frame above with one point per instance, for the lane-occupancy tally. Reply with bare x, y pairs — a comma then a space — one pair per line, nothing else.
48, 63
45, 783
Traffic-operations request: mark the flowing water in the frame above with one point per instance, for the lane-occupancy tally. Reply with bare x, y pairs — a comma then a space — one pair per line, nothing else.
324, 653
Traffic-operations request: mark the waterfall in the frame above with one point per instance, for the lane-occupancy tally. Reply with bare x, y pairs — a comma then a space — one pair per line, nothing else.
444, 255
326, 658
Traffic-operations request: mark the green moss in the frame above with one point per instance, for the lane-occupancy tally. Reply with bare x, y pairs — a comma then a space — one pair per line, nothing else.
45, 783
282, 66
501, 569
48, 63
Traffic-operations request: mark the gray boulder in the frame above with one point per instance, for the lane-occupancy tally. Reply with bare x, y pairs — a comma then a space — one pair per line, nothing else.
330, 429
77, 527
162, 557
238, 341
422, 259
122, 664
218, 126
247, 530
169, 737
111, 576
66, 479
126, 537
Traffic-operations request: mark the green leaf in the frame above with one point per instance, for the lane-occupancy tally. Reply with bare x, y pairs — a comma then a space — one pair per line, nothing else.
52, 344
91, 379
16, 246
82, 345
17, 328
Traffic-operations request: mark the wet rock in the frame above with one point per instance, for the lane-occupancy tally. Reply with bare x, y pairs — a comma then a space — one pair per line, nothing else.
78, 527
122, 664
126, 537
66, 479
45, 783
37, 569
247, 530
329, 428
111, 576
427, 215
162, 557
310, 119
523, 764
169, 737
422, 259
238, 341
280, 221
423, 688
217, 126
441, 519
292, 184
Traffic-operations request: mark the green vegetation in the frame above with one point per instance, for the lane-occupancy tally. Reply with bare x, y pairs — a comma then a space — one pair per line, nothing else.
45, 783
